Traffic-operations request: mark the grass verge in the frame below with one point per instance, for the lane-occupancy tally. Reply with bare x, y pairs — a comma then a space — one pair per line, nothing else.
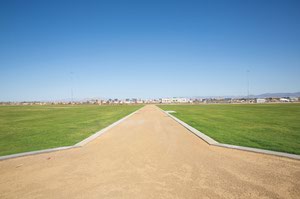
267, 126
30, 128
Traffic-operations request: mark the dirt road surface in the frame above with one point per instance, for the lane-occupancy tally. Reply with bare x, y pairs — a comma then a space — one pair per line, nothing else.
149, 155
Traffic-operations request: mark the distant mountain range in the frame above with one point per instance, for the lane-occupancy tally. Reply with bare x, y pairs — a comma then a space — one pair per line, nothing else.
264, 95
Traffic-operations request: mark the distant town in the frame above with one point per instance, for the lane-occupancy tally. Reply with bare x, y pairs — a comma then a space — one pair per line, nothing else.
172, 100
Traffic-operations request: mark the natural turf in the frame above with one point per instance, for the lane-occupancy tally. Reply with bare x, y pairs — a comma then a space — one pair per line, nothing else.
29, 128
266, 126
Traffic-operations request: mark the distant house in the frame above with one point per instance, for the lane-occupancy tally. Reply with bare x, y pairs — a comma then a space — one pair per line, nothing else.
166, 100
127, 101
273, 99
173, 100
260, 100
284, 99
294, 99
139, 101
179, 100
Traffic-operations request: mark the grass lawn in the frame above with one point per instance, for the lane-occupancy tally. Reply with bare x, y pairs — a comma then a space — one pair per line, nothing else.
266, 126
29, 128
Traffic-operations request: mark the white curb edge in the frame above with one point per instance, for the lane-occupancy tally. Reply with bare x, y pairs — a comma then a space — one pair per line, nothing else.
256, 150
79, 144
213, 142
97, 134
16, 155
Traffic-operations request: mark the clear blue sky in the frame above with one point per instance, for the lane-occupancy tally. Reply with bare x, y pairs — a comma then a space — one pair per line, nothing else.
147, 48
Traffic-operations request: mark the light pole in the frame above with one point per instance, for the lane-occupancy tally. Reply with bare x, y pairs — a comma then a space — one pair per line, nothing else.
248, 85
71, 74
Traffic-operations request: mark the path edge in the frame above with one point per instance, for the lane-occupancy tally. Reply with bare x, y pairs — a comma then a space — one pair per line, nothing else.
213, 142
102, 131
77, 145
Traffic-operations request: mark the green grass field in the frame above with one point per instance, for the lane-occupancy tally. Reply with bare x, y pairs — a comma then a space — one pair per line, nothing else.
29, 128
266, 126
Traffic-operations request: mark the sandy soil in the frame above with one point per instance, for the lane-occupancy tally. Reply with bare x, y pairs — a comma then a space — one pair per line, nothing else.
149, 155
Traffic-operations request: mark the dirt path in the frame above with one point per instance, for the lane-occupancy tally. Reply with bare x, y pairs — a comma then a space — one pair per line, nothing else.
149, 155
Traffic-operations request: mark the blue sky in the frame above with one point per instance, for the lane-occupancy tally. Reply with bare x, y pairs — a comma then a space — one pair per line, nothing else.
147, 49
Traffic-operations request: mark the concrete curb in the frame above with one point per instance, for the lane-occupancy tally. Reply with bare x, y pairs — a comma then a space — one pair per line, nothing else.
256, 150
5, 157
97, 134
79, 144
213, 142
204, 137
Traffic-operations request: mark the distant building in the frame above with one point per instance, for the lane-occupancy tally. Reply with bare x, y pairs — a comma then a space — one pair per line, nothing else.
284, 99
166, 100
174, 100
294, 99
179, 100
127, 101
139, 101
260, 100
273, 99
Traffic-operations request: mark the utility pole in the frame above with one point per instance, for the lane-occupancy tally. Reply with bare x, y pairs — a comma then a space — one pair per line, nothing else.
72, 100
248, 85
